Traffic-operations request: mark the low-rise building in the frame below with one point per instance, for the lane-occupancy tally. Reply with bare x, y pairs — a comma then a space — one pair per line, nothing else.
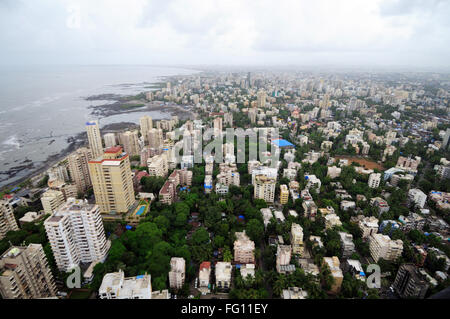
409, 283
283, 260
244, 249
284, 194
116, 286
177, 272
297, 239
310, 209
204, 274
334, 172
294, 293
374, 180
417, 197
332, 220
223, 275
368, 226
336, 272
347, 245
381, 246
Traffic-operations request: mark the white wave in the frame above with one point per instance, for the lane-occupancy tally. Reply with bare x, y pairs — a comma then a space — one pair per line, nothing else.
12, 141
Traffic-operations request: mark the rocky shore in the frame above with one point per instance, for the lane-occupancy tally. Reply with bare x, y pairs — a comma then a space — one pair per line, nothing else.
136, 103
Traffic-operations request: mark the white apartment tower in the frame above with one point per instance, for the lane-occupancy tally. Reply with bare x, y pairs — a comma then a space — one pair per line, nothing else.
7, 220
25, 274
130, 142
79, 168
110, 140
261, 98
146, 123
94, 138
155, 138
76, 234
51, 200
265, 188
218, 126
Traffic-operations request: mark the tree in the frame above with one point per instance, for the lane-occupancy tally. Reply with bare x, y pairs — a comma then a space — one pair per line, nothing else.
227, 256
200, 236
219, 241
255, 230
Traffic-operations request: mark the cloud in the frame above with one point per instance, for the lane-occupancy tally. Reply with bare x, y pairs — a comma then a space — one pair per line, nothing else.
232, 31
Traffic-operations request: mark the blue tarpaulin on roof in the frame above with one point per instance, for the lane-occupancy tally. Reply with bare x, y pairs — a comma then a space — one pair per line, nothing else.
128, 227
140, 277
282, 143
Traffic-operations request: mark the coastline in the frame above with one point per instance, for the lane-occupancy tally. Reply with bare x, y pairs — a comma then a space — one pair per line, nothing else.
121, 104
75, 142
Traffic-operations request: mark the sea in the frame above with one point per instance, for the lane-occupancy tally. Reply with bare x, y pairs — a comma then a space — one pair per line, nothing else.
42, 106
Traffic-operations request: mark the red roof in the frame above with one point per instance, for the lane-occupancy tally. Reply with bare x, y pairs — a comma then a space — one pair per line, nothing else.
141, 174
205, 264
113, 150
7, 196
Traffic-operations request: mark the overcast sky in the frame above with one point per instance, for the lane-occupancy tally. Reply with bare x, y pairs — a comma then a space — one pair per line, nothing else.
189, 32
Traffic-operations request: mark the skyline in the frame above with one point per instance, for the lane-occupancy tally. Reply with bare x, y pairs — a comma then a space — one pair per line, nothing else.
377, 33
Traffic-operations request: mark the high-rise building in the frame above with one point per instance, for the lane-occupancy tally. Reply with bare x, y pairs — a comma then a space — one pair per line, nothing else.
177, 272
130, 142
284, 194
94, 138
252, 115
110, 140
79, 168
264, 188
25, 274
155, 138
76, 234
409, 283
112, 181
52, 200
261, 98
297, 239
7, 220
218, 126
146, 124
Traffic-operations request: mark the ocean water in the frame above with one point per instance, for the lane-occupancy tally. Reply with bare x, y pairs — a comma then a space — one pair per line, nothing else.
42, 106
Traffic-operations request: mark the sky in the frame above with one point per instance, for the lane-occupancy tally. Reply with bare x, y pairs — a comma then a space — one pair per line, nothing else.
410, 33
